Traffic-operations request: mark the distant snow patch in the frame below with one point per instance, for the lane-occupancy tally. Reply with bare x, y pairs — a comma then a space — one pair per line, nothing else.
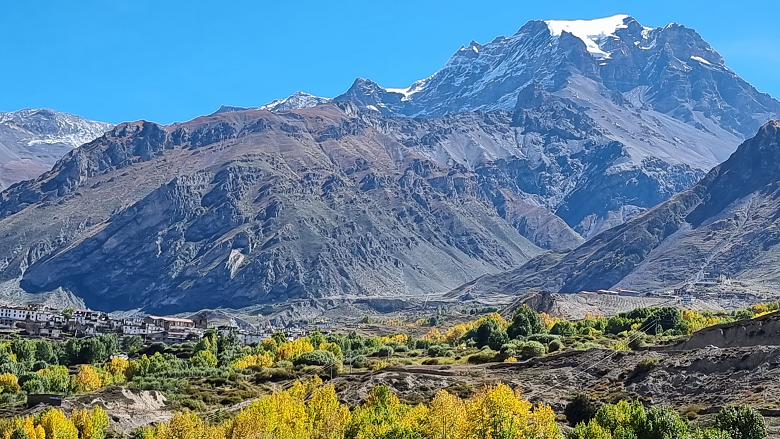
701, 60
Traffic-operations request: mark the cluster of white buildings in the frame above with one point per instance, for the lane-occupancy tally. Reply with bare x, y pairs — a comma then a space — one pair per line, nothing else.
38, 320
41, 321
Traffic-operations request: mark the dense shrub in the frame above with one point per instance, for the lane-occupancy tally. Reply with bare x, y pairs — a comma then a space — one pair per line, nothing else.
555, 346
385, 351
316, 358
565, 328
742, 422
543, 338
580, 409
533, 349
646, 364
525, 322
483, 356
438, 350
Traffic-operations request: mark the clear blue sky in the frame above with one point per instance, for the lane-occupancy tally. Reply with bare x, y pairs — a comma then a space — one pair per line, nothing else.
172, 60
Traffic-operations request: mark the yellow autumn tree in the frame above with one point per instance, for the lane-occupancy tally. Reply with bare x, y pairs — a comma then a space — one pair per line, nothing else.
264, 360
398, 338
432, 335
185, 425
498, 412
86, 379
269, 344
446, 417
455, 333
281, 415
549, 321
9, 426
9, 383
118, 368
57, 425
328, 417
90, 424
290, 350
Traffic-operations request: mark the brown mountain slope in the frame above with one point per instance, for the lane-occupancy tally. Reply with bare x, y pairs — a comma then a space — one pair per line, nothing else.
250, 207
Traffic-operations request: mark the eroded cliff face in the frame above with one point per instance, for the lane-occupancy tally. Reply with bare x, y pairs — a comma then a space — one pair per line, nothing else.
760, 331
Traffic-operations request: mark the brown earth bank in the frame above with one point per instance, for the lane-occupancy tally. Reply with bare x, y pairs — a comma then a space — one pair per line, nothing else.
697, 383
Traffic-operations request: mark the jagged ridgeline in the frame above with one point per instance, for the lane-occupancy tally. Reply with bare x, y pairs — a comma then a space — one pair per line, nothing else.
538, 141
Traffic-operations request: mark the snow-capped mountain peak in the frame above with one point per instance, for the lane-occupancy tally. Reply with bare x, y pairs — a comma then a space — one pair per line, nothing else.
592, 32
31, 140
296, 101
49, 126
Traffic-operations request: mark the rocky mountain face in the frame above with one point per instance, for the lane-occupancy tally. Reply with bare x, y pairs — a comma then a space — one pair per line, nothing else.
253, 207
31, 141
670, 70
725, 224
664, 94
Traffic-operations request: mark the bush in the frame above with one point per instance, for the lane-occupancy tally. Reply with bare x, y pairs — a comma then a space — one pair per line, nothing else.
357, 361
315, 358
533, 349
663, 423
483, 356
742, 422
636, 340
430, 361
646, 364
384, 351
555, 346
580, 409
283, 364
439, 351
564, 327
274, 374
543, 338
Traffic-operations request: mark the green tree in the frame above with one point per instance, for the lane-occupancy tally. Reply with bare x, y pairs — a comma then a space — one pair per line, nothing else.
663, 423
580, 409
44, 351
111, 344
663, 319
204, 359
533, 349
94, 351
279, 337
525, 322
564, 327
316, 339
497, 339
132, 343
24, 350
742, 422
19, 433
